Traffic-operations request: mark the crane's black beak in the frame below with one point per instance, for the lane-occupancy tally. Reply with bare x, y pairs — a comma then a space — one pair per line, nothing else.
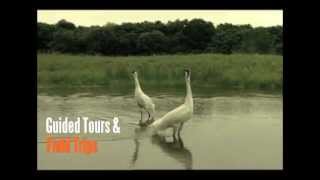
133, 72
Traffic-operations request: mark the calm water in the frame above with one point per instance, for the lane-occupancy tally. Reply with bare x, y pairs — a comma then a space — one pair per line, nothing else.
226, 132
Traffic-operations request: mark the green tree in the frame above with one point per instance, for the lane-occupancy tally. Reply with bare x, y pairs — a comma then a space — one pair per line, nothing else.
102, 41
277, 33
63, 41
179, 36
258, 40
154, 42
227, 39
198, 34
128, 44
65, 25
176, 43
81, 36
45, 35
175, 27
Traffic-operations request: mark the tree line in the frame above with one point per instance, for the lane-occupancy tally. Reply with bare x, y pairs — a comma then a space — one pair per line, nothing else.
149, 38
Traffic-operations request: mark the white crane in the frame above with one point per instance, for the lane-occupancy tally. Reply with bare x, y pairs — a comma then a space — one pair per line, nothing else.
176, 117
144, 102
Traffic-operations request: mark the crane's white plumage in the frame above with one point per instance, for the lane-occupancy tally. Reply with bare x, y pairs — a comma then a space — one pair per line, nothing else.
143, 101
179, 115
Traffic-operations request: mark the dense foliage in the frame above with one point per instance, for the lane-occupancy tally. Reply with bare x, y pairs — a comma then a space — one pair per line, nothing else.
149, 38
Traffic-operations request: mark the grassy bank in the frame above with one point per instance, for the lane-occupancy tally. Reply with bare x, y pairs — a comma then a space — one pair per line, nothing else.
229, 72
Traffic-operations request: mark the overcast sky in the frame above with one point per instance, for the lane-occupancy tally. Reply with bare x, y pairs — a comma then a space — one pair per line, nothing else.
101, 17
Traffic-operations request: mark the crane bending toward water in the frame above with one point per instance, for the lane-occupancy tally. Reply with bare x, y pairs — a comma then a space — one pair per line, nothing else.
144, 102
178, 116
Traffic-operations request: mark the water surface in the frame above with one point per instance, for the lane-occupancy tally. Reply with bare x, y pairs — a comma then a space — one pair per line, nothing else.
226, 132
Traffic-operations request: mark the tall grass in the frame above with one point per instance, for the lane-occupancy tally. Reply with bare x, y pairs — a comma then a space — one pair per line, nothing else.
238, 71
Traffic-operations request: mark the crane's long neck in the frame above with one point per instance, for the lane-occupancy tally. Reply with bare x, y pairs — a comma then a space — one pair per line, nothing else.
136, 82
188, 99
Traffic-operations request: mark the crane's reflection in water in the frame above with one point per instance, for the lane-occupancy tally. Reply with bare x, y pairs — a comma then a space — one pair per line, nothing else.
172, 148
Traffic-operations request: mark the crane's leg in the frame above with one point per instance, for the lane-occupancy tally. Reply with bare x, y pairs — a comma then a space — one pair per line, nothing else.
135, 154
174, 133
148, 116
179, 130
150, 119
180, 142
140, 122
